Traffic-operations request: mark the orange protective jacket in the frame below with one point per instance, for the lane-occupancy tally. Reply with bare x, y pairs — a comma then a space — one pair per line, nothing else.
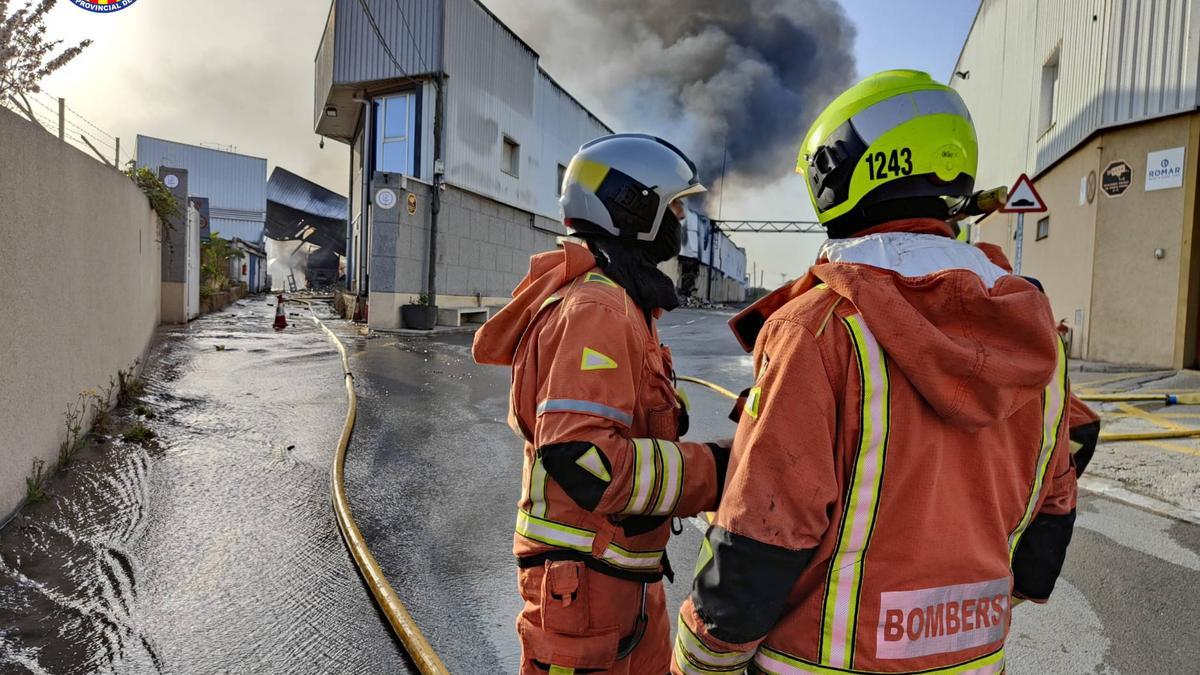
593, 398
900, 470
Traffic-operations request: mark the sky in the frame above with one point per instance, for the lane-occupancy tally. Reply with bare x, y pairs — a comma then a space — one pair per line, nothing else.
240, 74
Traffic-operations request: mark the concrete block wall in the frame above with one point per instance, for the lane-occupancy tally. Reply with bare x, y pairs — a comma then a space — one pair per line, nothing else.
483, 249
80, 276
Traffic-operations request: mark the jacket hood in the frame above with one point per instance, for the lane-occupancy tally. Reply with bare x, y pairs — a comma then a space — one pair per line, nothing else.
496, 342
975, 342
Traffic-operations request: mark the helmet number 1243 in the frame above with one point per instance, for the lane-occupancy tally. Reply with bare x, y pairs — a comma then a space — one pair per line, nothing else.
881, 165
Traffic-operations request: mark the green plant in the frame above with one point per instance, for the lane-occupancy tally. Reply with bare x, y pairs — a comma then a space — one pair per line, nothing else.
35, 483
215, 255
138, 433
143, 411
161, 199
129, 385
424, 299
75, 439
101, 403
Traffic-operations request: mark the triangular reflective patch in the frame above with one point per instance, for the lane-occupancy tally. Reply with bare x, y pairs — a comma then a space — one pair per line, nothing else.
590, 461
754, 402
594, 360
600, 279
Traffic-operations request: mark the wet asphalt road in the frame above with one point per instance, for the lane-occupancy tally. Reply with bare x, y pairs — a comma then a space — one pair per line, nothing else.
215, 551
434, 475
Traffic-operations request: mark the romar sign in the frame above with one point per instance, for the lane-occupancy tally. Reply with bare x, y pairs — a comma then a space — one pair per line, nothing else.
1164, 169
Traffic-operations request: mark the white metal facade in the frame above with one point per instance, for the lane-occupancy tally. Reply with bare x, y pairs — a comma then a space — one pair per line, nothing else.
236, 185
495, 90
1118, 61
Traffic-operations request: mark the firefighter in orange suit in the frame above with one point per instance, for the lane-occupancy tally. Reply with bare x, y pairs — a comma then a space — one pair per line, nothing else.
595, 401
901, 468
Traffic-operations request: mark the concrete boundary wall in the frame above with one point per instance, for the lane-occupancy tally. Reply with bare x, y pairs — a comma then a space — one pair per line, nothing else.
79, 289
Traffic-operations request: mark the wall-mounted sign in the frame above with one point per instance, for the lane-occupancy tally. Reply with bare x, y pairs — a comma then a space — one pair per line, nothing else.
412, 204
1116, 179
171, 181
385, 198
1164, 169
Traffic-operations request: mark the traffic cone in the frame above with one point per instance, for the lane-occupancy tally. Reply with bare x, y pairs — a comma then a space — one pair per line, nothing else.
280, 316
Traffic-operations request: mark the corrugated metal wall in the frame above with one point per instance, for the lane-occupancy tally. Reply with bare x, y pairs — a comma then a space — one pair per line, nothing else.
236, 185
1119, 61
728, 257
496, 89
323, 66
410, 27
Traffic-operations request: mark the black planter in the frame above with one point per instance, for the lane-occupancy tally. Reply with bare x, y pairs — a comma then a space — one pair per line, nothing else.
419, 317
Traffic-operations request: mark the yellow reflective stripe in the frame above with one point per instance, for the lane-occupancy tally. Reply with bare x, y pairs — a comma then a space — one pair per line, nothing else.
631, 560
839, 620
683, 398
554, 534
658, 476
670, 479
703, 659
537, 488
559, 670
581, 540
777, 663
600, 279
643, 476
1054, 405
549, 301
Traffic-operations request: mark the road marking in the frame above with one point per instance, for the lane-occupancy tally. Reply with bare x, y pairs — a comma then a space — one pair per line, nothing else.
1173, 447
1114, 490
1135, 411
1138, 530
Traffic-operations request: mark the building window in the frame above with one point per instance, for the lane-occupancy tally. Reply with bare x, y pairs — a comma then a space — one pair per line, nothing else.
562, 178
510, 157
1043, 228
1049, 94
396, 134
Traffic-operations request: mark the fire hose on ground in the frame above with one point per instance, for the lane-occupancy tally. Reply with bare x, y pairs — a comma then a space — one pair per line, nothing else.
405, 628
1182, 398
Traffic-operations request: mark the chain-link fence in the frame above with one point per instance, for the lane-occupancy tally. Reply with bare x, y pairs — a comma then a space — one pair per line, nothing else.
59, 119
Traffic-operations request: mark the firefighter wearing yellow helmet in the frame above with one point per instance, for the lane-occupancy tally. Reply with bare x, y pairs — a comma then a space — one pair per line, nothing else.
896, 145
901, 468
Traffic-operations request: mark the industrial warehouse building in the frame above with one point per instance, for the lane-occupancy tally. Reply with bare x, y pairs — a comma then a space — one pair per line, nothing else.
1097, 101
508, 130
235, 185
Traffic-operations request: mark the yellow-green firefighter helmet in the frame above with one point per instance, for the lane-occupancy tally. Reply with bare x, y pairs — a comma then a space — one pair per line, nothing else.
890, 147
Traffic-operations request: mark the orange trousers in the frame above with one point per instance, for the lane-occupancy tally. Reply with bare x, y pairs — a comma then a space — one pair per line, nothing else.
575, 617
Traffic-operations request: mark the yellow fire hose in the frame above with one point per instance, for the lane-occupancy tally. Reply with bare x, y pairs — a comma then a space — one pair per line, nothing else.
1182, 398
1175, 399
419, 649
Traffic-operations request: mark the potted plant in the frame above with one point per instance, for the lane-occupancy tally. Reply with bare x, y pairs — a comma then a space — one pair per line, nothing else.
421, 316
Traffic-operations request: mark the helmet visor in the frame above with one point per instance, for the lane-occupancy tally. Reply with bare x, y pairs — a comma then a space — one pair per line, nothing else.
890, 113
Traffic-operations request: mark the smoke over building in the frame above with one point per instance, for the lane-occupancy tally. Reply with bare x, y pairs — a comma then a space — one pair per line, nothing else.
734, 84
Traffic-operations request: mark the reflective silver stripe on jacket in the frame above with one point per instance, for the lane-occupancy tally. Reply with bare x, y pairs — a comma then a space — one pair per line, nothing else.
585, 407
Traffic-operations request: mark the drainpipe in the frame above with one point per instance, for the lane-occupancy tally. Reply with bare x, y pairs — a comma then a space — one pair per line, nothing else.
439, 112
712, 246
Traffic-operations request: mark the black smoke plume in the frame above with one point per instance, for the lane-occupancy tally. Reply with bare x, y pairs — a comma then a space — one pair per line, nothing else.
734, 83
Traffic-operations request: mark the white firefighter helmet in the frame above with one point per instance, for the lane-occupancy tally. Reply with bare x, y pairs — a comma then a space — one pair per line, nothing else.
620, 186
